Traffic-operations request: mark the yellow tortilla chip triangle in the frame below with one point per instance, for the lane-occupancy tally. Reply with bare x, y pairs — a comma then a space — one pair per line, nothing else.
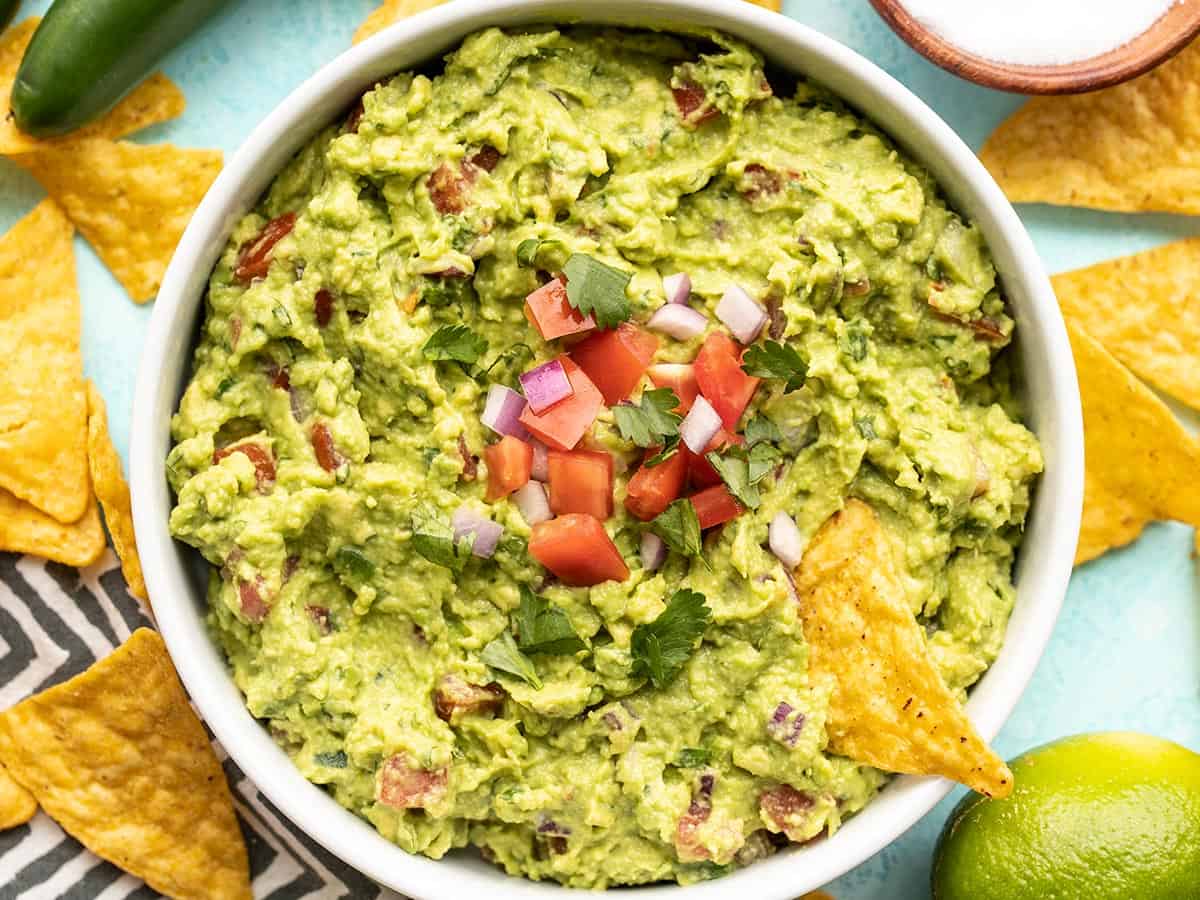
118, 758
17, 805
1145, 310
392, 11
1132, 148
26, 529
1141, 464
113, 493
889, 707
130, 201
776, 5
43, 410
156, 99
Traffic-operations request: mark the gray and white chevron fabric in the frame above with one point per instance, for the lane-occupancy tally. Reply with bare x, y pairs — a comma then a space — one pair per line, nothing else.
54, 623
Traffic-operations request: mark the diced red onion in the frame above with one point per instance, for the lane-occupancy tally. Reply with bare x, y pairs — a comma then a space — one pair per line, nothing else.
700, 426
741, 315
533, 503
679, 321
546, 385
785, 540
678, 287
541, 461
654, 552
467, 521
502, 412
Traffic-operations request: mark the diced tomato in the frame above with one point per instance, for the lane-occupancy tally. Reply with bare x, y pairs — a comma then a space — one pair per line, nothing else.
715, 506
405, 786
455, 698
692, 103
721, 379
786, 809
250, 595
616, 360
323, 307
509, 462
578, 550
486, 157
549, 311
264, 463
280, 378
581, 481
254, 257
327, 455
563, 424
701, 473
448, 189
680, 378
319, 615
652, 488
761, 181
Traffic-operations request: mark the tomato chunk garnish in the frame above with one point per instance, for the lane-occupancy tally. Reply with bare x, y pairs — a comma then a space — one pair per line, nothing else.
562, 425
264, 462
680, 378
581, 481
509, 463
254, 257
403, 785
652, 488
721, 379
616, 360
322, 441
549, 311
578, 550
701, 473
692, 103
448, 189
715, 506
323, 307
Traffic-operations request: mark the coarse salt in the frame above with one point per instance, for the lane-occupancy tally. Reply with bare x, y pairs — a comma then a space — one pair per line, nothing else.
1038, 32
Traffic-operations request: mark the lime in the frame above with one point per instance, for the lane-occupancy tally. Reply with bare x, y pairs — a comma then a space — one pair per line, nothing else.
1096, 816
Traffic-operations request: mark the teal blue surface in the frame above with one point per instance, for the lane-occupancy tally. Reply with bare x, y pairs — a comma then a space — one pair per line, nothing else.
1126, 654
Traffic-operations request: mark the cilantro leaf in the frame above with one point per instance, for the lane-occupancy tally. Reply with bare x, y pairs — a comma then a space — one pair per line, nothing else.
544, 628
455, 342
669, 448
734, 469
597, 289
528, 250
679, 528
652, 420
772, 359
333, 760
761, 429
692, 758
434, 540
502, 654
661, 647
866, 427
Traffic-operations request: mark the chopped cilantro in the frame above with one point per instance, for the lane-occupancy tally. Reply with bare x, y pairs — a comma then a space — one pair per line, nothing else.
760, 429
226, 383
734, 469
434, 540
455, 342
441, 290
502, 654
661, 647
529, 249
772, 359
597, 289
336, 760
866, 427
761, 460
544, 628
652, 421
692, 758
355, 562
669, 447
679, 528
856, 343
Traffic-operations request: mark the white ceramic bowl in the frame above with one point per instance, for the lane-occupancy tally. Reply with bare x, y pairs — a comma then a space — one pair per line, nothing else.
176, 581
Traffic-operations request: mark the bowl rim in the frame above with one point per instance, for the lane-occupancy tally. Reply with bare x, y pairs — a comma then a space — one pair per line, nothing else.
1044, 567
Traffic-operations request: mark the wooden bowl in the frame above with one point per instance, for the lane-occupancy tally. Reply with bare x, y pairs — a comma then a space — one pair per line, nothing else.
1164, 39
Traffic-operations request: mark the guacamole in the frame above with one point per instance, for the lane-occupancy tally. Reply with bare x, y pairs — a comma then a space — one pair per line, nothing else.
566, 637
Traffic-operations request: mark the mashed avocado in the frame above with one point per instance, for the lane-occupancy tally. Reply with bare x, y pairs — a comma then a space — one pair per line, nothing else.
322, 449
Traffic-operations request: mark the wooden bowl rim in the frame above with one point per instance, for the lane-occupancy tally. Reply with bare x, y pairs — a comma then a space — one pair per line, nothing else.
1181, 22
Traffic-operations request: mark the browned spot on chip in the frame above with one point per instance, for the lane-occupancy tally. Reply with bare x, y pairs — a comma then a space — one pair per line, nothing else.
1141, 464
157, 99
130, 201
390, 12
1132, 148
113, 493
118, 758
1145, 310
43, 410
889, 707
17, 805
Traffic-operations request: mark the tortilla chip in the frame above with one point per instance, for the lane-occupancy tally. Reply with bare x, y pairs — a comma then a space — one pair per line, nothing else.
392, 11
1141, 463
113, 493
26, 529
1131, 148
1145, 310
43, 409
156, 99
776, 5
118, 758
889, 707
17, 805
131, 201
